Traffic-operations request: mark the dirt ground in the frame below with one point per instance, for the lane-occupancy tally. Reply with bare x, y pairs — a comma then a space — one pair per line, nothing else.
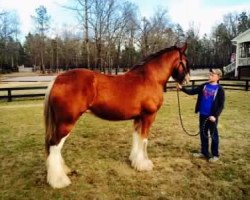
24, 79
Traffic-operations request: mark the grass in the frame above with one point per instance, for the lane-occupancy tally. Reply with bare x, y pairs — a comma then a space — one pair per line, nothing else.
99, 151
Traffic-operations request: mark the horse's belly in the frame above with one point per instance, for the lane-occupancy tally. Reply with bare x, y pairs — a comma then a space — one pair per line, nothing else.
115, 113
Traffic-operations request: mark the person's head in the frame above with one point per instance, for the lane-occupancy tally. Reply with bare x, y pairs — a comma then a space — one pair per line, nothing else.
214, 75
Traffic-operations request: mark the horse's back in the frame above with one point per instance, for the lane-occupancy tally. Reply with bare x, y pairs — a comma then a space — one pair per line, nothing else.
74, 76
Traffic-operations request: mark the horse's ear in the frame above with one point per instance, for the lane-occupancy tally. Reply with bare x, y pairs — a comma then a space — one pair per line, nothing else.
183, 49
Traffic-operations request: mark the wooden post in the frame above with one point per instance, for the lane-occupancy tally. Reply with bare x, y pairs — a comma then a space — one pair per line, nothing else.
247, 85
239, 73
193, 81
9, 95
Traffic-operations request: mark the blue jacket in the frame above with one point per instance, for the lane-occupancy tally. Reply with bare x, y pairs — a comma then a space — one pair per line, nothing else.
218, 103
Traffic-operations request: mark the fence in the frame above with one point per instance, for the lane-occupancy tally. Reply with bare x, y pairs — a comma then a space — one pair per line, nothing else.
9, 92
232, 84
226, 83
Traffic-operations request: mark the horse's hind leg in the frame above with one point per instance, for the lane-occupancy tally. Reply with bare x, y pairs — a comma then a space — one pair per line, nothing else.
56, 168
139, 157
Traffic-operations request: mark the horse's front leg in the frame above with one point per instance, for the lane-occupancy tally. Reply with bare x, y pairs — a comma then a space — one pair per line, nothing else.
139, 156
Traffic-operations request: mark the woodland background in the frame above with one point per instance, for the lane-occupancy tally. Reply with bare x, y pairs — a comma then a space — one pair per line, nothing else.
111, 36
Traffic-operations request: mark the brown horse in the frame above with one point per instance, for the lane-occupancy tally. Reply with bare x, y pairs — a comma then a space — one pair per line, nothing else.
137, 95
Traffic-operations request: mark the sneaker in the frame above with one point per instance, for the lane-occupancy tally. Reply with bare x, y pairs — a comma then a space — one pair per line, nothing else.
198, 155
213, 159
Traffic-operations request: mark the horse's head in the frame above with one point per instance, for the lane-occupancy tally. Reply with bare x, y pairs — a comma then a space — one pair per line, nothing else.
181, 69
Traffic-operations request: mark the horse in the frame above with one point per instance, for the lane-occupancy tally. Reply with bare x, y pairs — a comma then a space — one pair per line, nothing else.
135, 95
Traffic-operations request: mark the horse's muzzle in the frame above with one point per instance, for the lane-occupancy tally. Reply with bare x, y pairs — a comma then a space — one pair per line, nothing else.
186, 79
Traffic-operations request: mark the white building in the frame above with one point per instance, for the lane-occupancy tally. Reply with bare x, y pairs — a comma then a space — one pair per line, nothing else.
242, 63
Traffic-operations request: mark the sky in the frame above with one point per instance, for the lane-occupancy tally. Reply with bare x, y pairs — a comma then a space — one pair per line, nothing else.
203, 14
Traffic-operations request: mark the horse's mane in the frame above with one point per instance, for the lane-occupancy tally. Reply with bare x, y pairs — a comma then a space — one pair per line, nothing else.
152, 56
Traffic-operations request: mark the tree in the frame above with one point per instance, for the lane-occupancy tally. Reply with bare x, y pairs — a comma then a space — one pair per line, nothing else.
112, 35
108, 24
129, 36
194, 46
161, 35
71, 50
206, 52
9, 45
83, 9
244, 22
223, 45
32, 49
230, 21
145, 29
180, 35
41, 20
156, 33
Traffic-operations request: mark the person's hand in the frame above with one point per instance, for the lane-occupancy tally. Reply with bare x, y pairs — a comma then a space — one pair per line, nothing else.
212, 118
178, 86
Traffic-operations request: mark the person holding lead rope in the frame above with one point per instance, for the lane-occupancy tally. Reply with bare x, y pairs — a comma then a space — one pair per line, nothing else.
209, 105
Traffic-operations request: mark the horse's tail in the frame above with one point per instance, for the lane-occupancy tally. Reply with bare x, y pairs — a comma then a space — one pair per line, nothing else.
49, 120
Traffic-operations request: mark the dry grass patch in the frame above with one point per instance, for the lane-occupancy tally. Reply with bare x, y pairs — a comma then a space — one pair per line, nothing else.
98, 150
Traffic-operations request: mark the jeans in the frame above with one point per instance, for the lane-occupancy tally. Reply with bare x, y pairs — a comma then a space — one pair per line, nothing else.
205, 126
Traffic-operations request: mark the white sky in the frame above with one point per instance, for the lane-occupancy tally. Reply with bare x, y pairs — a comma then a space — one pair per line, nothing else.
203, 13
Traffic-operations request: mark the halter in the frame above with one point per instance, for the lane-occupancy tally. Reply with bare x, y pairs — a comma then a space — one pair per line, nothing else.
182, 64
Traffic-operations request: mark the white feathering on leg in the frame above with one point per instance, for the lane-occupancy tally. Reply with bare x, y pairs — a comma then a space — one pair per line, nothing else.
134, 149
139, 158
56, 175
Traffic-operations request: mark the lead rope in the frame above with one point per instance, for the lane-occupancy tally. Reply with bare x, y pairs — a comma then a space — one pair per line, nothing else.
179, 109
184, 129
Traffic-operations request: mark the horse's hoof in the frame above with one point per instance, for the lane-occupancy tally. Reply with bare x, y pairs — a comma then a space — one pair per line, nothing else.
143, 165
59, 182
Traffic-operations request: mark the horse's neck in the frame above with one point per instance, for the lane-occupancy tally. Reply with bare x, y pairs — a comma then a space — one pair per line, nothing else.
162, 71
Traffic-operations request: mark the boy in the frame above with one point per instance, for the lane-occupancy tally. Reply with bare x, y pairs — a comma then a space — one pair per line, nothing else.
210, 103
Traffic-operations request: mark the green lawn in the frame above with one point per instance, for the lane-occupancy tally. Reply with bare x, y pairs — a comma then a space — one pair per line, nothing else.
98, 150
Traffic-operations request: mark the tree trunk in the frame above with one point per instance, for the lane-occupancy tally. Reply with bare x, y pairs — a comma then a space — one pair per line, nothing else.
87, 33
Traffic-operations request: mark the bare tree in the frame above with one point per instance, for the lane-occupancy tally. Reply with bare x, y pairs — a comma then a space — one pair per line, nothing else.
9, 29
194, 44
156, 33
128, 36
9, 25
41, 20
244, 22
119, 21
231, 22
83, 9
161, 34
180, 35
144, 40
